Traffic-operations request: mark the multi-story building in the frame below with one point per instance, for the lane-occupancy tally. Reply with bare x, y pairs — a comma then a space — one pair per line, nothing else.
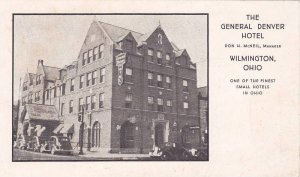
203, 110
137, 90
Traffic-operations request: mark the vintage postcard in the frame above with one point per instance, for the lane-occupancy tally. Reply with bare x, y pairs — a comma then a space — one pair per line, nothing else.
162, 88
123, 95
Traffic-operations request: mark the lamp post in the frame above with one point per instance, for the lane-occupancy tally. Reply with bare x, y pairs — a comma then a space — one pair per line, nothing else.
81, 129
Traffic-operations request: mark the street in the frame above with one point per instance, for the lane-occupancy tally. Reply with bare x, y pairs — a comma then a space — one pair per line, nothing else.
23, 155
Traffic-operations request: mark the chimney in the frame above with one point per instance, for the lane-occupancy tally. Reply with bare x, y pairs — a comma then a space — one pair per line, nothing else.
42, 62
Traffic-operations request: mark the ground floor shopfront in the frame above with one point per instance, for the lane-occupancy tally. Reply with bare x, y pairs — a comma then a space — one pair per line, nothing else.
129, 131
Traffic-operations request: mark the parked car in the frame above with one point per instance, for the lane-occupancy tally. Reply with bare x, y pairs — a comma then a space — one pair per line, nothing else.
174, 151
189, 147
22, 141
35, 143
57, 144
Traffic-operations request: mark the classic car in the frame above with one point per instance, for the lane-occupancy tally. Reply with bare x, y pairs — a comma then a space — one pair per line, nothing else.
57, 144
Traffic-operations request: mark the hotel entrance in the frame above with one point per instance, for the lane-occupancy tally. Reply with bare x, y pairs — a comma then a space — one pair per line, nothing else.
161, 132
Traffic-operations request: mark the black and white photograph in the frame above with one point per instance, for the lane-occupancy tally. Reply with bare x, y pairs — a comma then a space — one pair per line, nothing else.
98, 87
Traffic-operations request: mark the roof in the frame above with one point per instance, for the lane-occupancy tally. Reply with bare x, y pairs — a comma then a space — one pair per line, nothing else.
41, 112
51, 73
178, 52
31, 77
203, 91
116, 33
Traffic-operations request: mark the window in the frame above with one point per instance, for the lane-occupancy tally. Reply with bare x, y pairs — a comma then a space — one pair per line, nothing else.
185, 85
58, 91
24, 86
90, 56
81, 81
185, 105
62, 109
71, 104
150, 102
101, 49
63, 89
150, 79
23, 101
129, 45
47, 94
54, 92
169, 103
30, 98
128, 71
38, 79
168, 60
101, 100
159, 57
168, 82
84, 58
95, 53
80, 104
150, 53
94, 77
88, 102
89, 78
160, 105
72, 85
128, 100
159, 80
159, 39
128, 77
93, 105
37, 96
102, 75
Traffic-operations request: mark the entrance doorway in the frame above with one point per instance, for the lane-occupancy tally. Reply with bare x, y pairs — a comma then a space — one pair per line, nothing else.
160, 134
127, 139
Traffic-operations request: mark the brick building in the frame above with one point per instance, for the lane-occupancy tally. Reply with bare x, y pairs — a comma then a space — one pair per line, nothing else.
203, 110
138, 90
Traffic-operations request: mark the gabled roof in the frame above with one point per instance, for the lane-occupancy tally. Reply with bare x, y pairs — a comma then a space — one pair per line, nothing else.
51, 73
179, 52
116, 33
31, 77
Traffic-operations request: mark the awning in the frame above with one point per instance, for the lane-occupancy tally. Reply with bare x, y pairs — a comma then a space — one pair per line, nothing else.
58, 128
69, 128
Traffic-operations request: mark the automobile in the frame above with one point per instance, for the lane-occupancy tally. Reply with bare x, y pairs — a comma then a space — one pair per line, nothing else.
57, 144
35, 143
22, 141
189, 147
174, 151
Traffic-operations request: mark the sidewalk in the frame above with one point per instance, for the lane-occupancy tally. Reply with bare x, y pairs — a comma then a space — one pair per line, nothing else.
111, 156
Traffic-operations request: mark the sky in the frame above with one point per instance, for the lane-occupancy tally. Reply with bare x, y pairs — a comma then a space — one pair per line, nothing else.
57, 39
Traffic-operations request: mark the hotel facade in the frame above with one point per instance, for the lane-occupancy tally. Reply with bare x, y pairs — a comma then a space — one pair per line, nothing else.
137, 91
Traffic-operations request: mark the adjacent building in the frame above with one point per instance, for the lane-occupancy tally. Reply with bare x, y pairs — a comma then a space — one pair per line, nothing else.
137, 91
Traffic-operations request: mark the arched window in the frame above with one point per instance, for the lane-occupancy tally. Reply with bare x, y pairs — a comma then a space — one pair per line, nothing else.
96, 134
159, 39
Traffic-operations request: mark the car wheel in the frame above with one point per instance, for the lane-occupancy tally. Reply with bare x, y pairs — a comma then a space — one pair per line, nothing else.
53, 150
166, 156
186, 156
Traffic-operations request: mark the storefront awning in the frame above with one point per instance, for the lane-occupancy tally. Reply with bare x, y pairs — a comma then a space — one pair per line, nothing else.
64, 128
69, 128
58, 128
